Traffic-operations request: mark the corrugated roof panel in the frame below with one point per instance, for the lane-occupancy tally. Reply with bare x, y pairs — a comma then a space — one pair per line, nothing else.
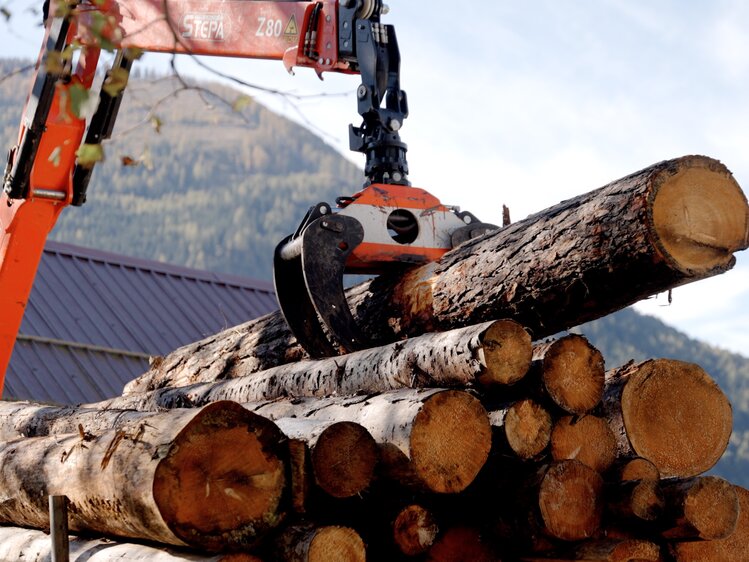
87, 306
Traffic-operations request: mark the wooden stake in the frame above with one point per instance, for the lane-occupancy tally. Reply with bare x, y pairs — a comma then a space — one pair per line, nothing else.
58, 528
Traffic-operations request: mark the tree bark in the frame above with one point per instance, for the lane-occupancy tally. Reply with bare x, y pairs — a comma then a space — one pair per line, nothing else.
32, 545
343, 454
693, 423
212, 478
588, 439
734, 548
307, 543
489, 354
444, 435
672, 223
705, 507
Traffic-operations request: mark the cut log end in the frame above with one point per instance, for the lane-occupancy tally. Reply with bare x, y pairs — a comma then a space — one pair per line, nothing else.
700, 216
507, 352
574, 373
336, 544
450, 441
460, 544
570, 499
637, 468
414, 530
527, 426
344, 459
709, 508
588, 439
222, 479
688, 403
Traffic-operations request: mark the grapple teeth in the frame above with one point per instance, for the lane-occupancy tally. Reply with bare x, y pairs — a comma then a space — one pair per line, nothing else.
308, 276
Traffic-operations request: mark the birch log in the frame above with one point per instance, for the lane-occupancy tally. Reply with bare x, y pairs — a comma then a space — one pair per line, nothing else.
669, 412
672, 223
212, 478
30, 545
443, 436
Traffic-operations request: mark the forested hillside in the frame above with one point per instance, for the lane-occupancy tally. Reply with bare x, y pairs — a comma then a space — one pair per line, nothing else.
217, 189
212, 187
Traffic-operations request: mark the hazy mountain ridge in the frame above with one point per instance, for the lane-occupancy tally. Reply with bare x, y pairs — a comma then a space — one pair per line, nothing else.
217, 189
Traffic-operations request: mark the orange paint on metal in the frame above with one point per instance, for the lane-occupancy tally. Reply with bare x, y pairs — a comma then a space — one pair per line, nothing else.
400, 196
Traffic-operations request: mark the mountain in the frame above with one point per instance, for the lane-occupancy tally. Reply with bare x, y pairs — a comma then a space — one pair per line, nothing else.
215, 188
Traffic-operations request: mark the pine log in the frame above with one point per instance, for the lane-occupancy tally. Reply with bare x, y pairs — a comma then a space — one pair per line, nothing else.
343, 454
462, 544
734, 548
490, 354
672, 223
444, 435
705, 507
572, 372
307, 543
30, 545
212, 478
415, 530
669, 412
635, 468
634, 502
617, 550
588, 439
522, 429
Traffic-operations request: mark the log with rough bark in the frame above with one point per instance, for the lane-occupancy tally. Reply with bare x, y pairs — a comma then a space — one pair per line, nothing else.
415, 530
17, 544
672, 223
308, 543
588, 439
522, 429
734, 548
489, 354
669, 412
343, 454
616, 550
443, 436
705, 507
212, 478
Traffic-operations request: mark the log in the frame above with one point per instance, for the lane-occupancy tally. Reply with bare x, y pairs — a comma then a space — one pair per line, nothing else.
212, 478
635, 502
461, 544
490, 354
307, 543
616, 550
444, 435
33, 545
635, 468
343, 454
682, 433
672, 223
415, 530
734, 548
588, 439
522, 429
705, 507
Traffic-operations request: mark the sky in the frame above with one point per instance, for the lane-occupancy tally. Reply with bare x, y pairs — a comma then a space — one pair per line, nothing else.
529, 103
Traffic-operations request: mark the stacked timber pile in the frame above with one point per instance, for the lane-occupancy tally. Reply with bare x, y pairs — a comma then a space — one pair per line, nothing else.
463, 442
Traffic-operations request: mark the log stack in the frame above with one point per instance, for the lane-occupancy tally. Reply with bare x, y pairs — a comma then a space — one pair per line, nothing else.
465, 441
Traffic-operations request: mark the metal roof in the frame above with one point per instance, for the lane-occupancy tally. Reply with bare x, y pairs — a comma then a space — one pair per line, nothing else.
94, 318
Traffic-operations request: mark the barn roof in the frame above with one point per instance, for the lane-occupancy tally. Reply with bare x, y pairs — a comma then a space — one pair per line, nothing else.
94, 318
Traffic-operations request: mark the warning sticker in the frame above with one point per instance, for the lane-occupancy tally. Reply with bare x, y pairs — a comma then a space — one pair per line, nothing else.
291, 27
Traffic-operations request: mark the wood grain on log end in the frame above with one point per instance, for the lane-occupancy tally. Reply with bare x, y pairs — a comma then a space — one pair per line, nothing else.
588, 439
635, 500
694, 421
415, 530
461, 544
700, 216
527, 427
734, 548
344, 459
222, 480
705, 507
636, 468
307, 543
570, 499
450, 441
507, 351
573, 372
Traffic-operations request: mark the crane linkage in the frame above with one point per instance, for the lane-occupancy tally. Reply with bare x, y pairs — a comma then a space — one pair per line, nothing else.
386, 225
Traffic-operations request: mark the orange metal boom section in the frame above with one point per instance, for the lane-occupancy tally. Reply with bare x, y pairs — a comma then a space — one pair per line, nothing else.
237, 28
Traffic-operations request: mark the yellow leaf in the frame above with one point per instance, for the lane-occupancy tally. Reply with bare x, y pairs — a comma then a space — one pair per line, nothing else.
78, 98
89, 154
156, 124
241, 102
133, 53
116, 81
